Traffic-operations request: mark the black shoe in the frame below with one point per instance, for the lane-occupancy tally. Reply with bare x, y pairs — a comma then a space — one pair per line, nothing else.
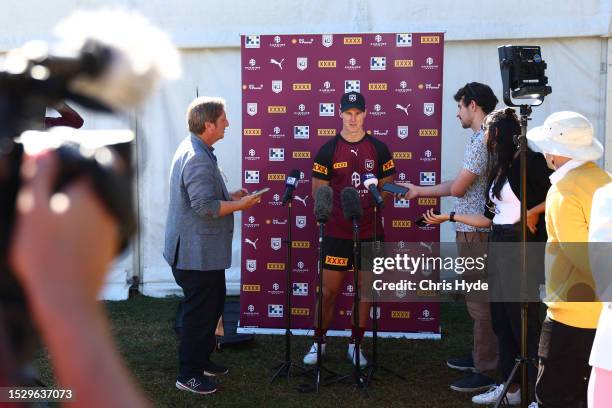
462, 364
473, 383
199, 385
212, 370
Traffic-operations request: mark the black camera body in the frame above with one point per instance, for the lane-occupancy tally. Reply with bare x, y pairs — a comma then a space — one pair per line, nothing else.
523, 69
23, 102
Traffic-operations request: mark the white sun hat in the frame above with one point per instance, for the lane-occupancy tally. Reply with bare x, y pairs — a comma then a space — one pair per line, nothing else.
567, 134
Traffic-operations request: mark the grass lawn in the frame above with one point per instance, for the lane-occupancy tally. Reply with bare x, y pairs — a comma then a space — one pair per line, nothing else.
143, 328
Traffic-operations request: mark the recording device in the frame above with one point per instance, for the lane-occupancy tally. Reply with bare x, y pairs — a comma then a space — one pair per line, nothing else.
351, 204
260, 192
523, 69
371, 183
105, 61
395, 189
323, 204
421, 221
290, 185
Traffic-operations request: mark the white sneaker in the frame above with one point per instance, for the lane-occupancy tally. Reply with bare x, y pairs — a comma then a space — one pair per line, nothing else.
533, 405
491, 396
350, 353
311, 357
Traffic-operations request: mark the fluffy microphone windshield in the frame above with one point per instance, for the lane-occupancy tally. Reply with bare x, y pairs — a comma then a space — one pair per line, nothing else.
351, 204
323, 203
142, 55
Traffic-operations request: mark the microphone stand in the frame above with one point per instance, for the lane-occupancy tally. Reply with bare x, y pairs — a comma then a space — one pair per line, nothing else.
284, 369
318, 368
374, 366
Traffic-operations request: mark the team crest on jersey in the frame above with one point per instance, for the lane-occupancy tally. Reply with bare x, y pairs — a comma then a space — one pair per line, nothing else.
369, 165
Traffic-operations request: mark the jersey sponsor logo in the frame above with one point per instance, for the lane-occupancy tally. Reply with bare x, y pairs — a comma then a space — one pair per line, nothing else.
427, 201
353, 40
428, 132
326, 132
302, 87
377, 86
251, 288
300, 311
301, 155
277, 109
275, 266
402, 155
401, 224
403, 63
336, 261
430, 39
326, 63
400, 314
319, 168
276, 177
251, 132
388, 165
341, 165
300, 244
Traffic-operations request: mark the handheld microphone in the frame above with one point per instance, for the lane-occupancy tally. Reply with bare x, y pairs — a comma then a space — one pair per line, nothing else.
290, 185
371, 183
351, 204
323, 203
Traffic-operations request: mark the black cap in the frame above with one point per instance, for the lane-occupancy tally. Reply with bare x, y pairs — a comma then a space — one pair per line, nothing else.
352, 100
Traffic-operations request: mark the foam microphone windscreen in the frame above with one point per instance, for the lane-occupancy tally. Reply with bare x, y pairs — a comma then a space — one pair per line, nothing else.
351, 203
323, 203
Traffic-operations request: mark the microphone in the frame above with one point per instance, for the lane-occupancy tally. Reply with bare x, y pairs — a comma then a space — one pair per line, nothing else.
112, 57
323, 203
351, 204
290, 185
371, 183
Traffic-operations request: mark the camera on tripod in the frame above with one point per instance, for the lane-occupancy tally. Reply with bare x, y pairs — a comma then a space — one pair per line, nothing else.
522, 70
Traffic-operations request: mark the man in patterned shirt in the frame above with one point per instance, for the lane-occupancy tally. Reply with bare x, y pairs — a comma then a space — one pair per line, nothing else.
474, 102
341, 163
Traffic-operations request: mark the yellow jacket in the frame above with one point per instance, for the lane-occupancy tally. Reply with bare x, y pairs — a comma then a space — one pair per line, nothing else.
568, 274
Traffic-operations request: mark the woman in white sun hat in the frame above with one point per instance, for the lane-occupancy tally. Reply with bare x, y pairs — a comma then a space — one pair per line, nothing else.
567, 141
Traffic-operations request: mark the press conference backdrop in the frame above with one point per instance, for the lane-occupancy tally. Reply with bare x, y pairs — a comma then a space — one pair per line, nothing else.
291, 88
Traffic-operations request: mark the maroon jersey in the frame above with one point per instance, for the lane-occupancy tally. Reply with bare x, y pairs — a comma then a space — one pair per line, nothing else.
343, 164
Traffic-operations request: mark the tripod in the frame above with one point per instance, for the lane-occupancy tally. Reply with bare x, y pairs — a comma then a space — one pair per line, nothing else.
284, 369
374, 365
523, 360
323, 204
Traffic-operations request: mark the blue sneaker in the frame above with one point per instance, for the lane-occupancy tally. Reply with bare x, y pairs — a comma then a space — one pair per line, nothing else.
198, 385
473, 383
462, 364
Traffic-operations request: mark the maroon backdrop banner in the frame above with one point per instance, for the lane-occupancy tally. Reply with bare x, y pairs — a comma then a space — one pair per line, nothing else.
291, 89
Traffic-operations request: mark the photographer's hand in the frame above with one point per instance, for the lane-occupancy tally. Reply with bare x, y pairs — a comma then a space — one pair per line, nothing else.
62, 247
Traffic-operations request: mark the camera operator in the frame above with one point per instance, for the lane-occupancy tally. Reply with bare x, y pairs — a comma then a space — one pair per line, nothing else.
62, 246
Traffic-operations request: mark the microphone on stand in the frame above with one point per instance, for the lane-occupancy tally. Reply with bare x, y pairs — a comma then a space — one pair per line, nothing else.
371, 183
351, 204
323, 204
290, 185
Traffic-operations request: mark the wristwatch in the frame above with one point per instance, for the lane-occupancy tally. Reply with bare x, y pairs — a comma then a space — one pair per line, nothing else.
451, 216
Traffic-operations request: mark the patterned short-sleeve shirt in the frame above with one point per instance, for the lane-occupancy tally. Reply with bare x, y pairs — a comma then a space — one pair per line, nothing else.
475, 161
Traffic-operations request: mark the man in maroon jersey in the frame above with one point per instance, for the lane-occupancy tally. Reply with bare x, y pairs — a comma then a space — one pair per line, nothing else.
341, 163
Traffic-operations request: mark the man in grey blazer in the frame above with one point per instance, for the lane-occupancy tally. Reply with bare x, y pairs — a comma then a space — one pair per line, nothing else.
198, 243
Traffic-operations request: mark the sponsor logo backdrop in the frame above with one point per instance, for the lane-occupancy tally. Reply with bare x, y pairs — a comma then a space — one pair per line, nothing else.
291, 89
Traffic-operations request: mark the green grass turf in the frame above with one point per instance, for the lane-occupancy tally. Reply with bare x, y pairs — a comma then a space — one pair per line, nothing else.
143, 329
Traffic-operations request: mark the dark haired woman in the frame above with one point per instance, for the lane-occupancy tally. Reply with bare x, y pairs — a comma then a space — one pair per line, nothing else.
503, 215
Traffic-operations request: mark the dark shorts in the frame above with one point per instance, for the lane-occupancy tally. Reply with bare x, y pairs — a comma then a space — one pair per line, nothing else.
338, 253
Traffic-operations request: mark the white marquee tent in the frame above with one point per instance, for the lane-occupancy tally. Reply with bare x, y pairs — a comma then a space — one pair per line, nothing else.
575, 36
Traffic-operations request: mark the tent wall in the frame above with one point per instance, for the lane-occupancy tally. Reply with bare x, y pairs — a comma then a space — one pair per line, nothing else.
575, 41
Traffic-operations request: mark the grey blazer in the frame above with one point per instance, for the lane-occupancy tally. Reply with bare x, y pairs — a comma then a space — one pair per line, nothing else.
196, 237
